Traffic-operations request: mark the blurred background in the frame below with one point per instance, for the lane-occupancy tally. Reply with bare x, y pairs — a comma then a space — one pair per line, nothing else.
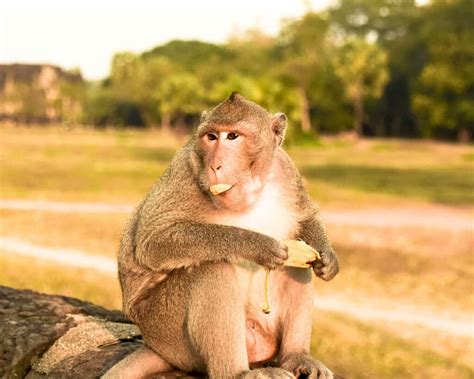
95, 97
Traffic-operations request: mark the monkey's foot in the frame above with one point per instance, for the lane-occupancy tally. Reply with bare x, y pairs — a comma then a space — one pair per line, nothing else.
267, 373
305, 366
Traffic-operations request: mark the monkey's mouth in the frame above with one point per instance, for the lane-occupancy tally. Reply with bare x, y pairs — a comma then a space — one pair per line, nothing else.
217, 189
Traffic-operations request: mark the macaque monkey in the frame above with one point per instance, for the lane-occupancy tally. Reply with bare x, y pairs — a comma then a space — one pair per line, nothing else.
193, 256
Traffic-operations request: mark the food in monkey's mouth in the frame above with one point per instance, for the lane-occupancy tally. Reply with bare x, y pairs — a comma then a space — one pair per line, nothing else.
300, 254
217, 189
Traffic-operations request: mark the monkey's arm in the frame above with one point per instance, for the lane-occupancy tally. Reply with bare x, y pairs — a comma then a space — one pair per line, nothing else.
184, 244
312, 231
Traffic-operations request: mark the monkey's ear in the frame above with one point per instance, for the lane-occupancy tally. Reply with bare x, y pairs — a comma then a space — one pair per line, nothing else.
235, 96
279, 126
203, 116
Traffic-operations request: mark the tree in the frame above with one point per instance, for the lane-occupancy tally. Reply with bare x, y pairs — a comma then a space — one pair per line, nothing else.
179, 94
266, 91
190, 55
362, 67
125, 73
135, 81
251, 52
444, 97
124, 93
30, 101
381, 20
302, 49
71, 100
395, 26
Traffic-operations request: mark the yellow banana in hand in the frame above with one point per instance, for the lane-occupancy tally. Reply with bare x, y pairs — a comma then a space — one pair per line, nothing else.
301, 255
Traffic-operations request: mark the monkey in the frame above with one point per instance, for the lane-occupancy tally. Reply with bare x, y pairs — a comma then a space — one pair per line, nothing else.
192, 263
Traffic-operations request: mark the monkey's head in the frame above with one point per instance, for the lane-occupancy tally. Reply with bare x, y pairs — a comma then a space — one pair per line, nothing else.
236, 142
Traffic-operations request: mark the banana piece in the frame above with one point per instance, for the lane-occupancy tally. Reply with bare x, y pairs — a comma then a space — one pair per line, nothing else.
217, 189
265, 306
300, 254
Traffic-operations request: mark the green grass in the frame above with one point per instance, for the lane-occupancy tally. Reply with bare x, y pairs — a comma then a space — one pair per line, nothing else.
389, 172
120, 166
444, 185
436, 283
89, 233
88, 171
357, 350
468, 156
28, 273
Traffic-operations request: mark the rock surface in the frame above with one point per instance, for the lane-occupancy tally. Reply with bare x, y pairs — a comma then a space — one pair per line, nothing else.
31, 323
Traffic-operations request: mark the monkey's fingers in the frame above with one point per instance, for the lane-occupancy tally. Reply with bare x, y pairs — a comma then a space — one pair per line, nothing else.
318, 264
318, 271
273, 263
217, 189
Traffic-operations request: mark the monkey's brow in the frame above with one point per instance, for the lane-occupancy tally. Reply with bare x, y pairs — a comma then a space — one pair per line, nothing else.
213, 128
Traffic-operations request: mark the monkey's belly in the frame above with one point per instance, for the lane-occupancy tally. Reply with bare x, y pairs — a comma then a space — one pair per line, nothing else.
261, 328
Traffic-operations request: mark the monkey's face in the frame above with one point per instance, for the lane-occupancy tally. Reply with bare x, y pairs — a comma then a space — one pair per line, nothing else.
236, 143
236, 160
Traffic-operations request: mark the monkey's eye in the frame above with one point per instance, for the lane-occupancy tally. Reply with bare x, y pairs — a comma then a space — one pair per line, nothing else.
232, 136
211, 136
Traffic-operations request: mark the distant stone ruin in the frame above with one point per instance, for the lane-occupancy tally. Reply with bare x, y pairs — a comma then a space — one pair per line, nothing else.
39, 93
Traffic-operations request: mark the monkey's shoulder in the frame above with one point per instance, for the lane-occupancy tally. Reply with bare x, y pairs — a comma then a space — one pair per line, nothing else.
178, 182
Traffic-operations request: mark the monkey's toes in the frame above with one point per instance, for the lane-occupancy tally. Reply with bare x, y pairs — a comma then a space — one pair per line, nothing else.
268, 373
304, 366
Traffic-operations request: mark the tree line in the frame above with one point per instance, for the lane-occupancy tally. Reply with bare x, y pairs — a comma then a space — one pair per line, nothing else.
374, 67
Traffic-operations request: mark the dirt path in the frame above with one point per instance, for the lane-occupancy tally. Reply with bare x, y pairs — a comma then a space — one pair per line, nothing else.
394, 313
64, 207
68, 257
424, 216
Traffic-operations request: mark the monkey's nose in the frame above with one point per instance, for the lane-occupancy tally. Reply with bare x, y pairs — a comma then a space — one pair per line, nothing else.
216, 168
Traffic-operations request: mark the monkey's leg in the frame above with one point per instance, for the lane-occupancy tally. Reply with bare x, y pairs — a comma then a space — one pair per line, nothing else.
297, 325
216, 320
140, 364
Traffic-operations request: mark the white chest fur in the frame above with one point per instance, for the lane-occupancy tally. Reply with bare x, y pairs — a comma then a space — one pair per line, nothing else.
271, 214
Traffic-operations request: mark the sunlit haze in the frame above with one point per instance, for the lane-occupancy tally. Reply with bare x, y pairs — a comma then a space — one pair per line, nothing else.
85, 34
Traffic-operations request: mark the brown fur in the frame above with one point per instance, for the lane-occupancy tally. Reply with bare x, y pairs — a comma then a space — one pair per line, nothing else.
190, 262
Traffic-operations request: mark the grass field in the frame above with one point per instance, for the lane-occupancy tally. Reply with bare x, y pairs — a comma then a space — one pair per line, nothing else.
119, 166
430, 269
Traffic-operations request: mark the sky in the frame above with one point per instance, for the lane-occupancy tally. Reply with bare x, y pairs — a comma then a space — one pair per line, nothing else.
85, 34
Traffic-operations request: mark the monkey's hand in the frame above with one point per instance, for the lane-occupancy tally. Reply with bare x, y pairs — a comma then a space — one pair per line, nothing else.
328, 266
271, 256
